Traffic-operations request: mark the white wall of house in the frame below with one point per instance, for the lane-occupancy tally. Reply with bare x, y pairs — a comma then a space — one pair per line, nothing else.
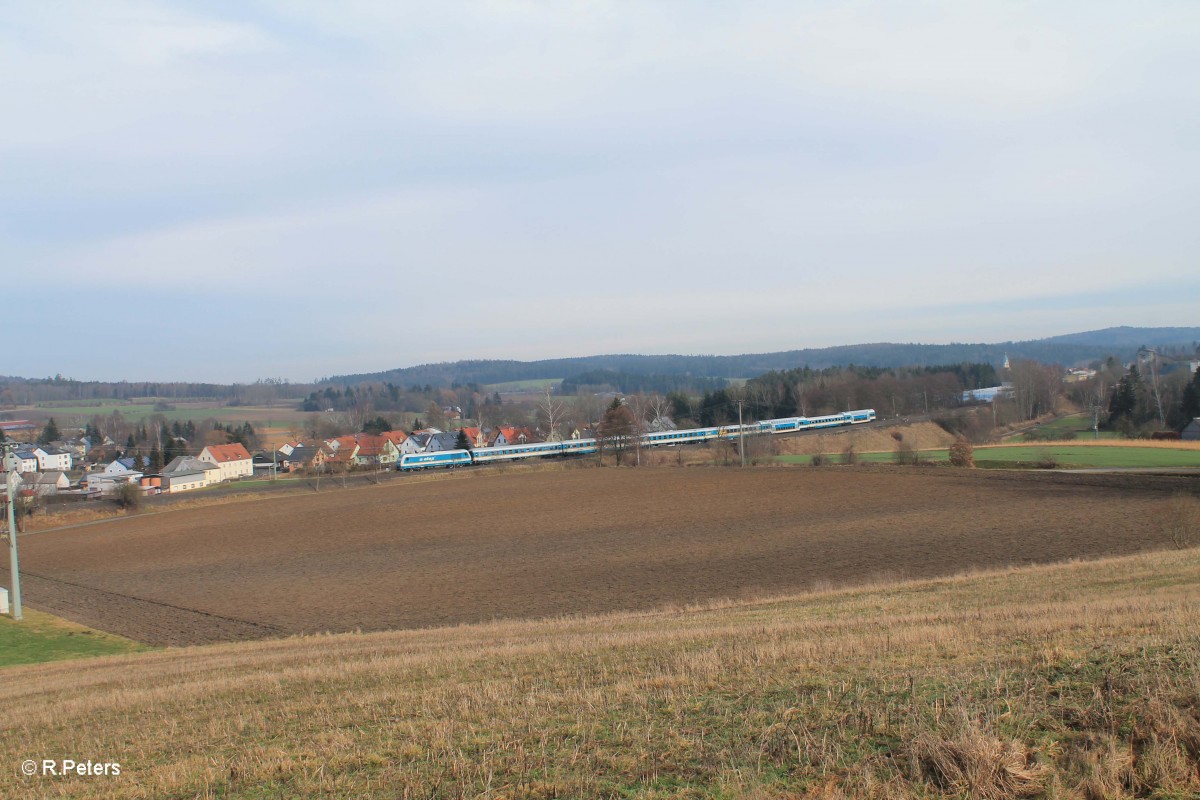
107, 484
52, 461
186, 482
409, 445
230, 470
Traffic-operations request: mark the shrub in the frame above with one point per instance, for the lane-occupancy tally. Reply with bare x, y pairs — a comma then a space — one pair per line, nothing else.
962, 454
128, 496
906, 455
820, 460
850, 455
1047, 460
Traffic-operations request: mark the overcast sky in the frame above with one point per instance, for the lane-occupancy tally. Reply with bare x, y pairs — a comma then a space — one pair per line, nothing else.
233, 190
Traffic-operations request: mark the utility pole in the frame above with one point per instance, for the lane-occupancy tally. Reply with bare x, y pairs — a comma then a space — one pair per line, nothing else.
13, 464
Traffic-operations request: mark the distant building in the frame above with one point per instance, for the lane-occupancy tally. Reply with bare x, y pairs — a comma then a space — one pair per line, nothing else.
233, 459
29, 459
45, 483
186, 473
1192, 432
52, 458
442, 441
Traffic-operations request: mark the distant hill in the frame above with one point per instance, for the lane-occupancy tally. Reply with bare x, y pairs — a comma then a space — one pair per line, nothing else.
1068, 349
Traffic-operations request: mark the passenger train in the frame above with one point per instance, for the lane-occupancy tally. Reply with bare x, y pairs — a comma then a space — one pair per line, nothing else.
512, 452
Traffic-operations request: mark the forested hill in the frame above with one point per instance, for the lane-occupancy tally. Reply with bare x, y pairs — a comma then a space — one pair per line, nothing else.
1070, 349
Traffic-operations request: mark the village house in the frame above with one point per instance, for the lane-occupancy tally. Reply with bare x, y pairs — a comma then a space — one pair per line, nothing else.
339, 442
396, 437
510, 435
29, 459
107, 480
187, 473
119, 467
502, 436
45, 483
342, 459
417, 442
233, 459
375, 451
76, 447
52, 458
296, 455
442, 441
1191, 433
476, 436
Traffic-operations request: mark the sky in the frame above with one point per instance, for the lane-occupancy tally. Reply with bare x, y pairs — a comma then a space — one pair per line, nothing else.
227, 191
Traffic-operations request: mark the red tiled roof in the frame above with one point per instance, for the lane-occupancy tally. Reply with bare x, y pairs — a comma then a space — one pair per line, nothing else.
371, 445
395, 437
228, 452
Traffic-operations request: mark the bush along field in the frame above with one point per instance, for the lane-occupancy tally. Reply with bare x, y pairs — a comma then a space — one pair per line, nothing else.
1066, 681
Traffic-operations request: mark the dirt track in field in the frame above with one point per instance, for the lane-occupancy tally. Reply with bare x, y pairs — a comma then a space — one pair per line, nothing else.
414, 554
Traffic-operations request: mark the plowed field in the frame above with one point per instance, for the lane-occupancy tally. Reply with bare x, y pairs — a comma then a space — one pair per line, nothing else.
411, 554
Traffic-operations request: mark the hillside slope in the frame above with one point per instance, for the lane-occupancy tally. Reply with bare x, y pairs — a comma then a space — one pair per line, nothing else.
1075, 680
1068, 349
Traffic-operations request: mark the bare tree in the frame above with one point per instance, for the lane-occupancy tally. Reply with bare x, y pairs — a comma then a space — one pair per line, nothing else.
551, 410
658, 407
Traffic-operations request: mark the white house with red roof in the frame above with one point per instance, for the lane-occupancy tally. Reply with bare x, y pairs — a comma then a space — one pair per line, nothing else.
233, 459
375, 451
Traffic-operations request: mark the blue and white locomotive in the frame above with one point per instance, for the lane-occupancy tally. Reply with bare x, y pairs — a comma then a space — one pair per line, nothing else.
513, 452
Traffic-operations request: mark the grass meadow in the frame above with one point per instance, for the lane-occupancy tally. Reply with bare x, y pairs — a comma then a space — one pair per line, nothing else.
1076, 680
1123, 454
282, 414
42, 637
1076, 425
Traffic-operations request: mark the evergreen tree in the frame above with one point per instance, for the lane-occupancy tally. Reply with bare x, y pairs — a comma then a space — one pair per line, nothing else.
156, 460
1123, 402
461, 442
50, 433
1189, 405
376, 426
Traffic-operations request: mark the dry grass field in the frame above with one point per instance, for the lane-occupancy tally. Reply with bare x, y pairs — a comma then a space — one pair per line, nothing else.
1076, 681
478, 547
919, 435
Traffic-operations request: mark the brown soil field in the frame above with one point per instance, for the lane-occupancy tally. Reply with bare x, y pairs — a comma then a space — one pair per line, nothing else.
423, 553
